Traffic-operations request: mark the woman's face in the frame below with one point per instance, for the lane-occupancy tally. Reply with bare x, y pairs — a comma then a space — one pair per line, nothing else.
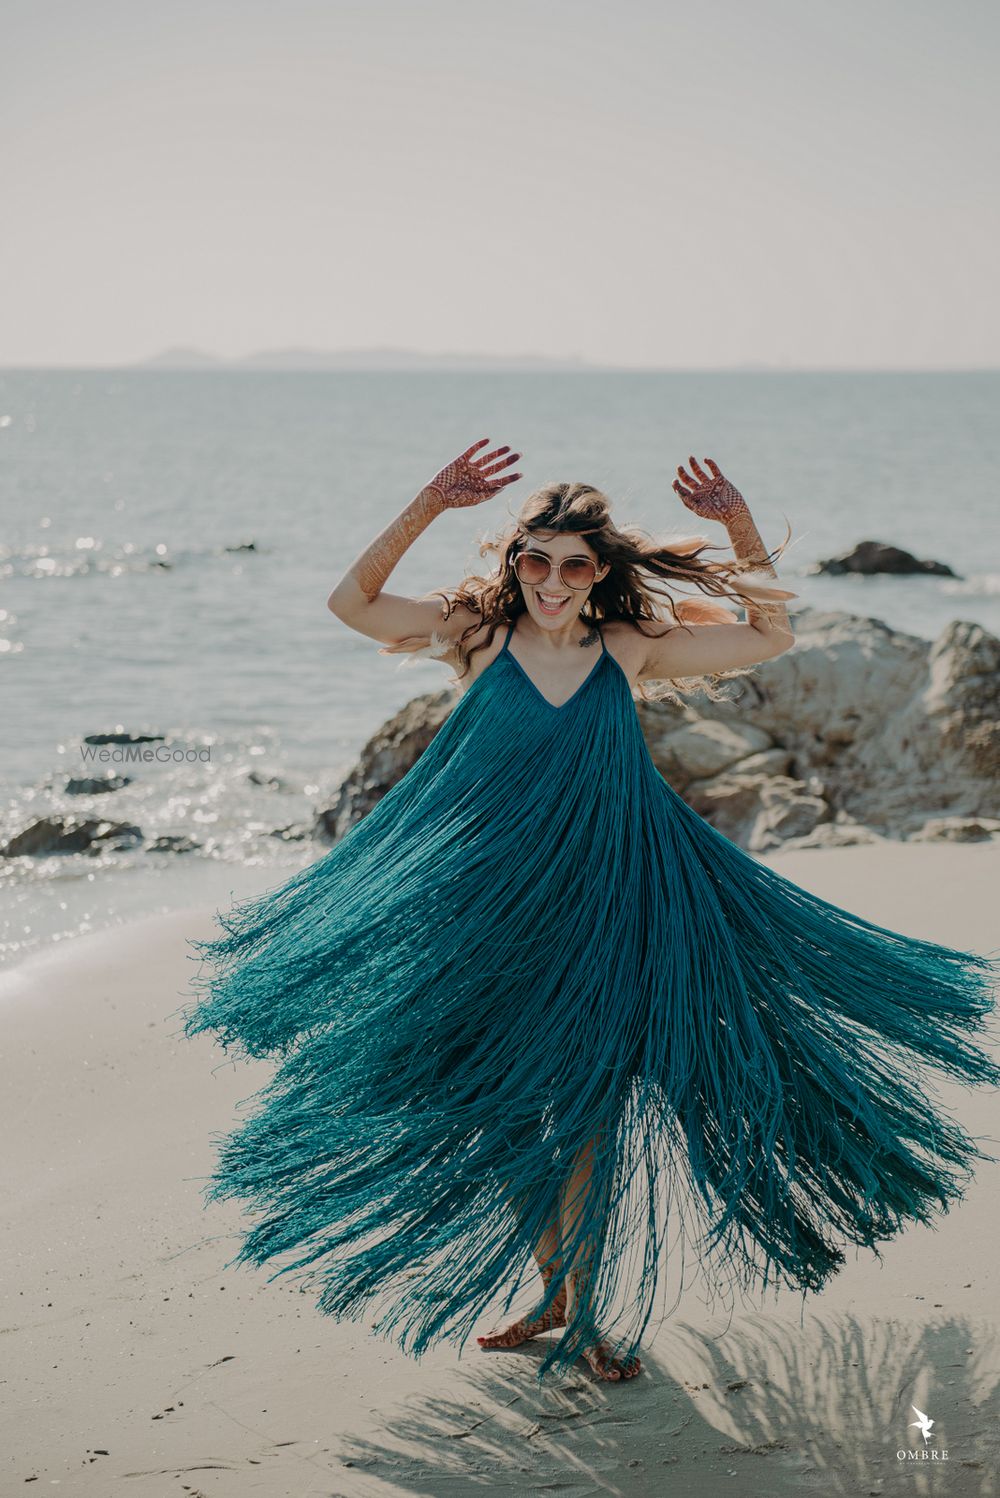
552, 602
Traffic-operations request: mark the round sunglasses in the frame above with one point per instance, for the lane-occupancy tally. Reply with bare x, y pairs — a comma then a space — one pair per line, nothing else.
533, 568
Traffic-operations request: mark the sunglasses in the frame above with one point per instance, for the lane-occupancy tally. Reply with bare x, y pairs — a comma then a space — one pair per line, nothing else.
533, 568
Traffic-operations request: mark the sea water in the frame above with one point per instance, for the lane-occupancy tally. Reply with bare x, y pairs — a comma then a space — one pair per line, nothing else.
169, 540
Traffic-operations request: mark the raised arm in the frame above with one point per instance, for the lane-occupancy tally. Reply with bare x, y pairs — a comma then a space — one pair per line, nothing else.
359, 599
766, 631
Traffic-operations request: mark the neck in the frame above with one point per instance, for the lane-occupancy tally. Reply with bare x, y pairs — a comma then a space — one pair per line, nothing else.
565, 636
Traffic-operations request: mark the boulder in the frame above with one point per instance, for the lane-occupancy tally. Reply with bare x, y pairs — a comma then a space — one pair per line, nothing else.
385, 759
758, 812
869, 557
705, 748
59, 834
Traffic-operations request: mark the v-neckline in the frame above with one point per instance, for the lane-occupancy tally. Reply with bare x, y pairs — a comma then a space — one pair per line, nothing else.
555, 707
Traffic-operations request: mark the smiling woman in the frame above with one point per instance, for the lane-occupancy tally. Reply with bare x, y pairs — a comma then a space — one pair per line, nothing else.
495, 1065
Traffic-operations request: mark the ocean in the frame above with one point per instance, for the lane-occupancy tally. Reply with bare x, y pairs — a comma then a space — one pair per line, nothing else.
169, 540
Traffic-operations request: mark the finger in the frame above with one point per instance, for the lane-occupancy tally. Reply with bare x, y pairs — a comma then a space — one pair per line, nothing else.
475, 447
698, 471
680, 489
503, 463
508, 478
716, 470
488, 457
686, 477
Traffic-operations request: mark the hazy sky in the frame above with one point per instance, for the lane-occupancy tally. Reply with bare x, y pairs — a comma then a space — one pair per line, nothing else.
690, 185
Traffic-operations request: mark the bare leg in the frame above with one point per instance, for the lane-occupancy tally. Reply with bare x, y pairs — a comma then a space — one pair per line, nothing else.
574, 1198
546, 1253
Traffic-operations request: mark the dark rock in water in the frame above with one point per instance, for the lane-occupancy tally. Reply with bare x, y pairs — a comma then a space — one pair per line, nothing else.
121, 737
385, 759
97, 787
269, 782
71, 835
173, 842
292, 834
870, 557
243, 546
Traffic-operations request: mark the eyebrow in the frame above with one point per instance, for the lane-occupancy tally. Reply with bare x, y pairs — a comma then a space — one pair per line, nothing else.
574, 556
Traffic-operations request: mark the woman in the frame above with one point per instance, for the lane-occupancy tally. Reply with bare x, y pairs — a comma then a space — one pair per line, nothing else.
532, 990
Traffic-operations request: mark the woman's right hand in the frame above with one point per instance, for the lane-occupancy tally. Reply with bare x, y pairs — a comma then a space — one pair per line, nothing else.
465, 482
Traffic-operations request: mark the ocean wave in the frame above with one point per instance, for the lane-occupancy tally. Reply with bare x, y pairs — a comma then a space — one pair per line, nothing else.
981, 585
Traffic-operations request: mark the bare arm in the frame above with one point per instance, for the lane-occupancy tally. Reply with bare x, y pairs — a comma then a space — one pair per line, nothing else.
359, 599
766, 631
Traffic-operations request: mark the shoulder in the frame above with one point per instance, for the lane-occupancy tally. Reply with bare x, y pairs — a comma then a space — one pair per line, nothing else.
481, 649
630, 645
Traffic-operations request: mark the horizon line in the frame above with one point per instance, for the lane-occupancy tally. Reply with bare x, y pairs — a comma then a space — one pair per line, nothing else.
548, 365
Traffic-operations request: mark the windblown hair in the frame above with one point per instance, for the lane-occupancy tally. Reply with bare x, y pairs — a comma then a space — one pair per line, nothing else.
635, 587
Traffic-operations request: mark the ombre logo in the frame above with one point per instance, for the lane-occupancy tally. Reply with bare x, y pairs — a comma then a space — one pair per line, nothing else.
927, 1452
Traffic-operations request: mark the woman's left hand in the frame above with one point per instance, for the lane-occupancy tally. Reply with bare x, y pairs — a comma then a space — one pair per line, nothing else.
711, 496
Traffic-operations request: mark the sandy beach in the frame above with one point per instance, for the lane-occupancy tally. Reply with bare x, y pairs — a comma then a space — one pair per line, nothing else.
133, 1364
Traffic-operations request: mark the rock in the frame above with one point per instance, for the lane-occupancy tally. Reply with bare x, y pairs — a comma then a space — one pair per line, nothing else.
242, 546
757, 812
767, 762
385, 759
173, 842
268, 782
869, 557
705, 748
98, 786
70, 835
119, 736
294, 833
957, 830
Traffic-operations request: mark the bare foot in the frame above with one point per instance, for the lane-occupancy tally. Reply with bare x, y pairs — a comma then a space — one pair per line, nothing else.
523, 1331
612, 1369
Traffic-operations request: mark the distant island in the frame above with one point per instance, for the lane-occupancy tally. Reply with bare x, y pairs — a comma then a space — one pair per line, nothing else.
352, 359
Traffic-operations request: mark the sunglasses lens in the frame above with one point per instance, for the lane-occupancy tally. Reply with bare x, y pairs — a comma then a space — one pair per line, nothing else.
530, 568
578, 573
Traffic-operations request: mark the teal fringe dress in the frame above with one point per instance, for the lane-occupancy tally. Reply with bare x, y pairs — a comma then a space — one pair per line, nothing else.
530, 943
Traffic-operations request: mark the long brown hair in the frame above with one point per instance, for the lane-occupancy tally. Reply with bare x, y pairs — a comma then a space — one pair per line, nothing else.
634, 588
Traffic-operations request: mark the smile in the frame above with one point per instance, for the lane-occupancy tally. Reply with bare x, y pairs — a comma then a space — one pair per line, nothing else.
551, 603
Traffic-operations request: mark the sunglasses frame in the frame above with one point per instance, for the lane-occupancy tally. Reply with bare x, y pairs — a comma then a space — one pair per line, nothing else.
557, 567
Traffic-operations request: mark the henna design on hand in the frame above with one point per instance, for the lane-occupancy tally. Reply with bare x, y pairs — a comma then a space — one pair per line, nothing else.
713, 497
466, 482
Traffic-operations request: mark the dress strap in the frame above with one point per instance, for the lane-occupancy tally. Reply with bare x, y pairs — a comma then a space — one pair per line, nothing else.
600, 631
510, 631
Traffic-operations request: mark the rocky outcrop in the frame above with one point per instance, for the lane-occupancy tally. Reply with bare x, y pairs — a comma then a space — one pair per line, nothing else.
869, 557
70, 835
385, 759
858, 732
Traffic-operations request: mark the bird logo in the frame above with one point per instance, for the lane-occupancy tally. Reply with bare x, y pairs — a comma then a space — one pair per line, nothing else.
924, 1422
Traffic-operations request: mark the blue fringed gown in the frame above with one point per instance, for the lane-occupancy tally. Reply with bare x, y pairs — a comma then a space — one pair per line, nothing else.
532, 943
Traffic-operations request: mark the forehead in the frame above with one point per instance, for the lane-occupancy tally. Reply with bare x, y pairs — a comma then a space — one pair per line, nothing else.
560, 546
